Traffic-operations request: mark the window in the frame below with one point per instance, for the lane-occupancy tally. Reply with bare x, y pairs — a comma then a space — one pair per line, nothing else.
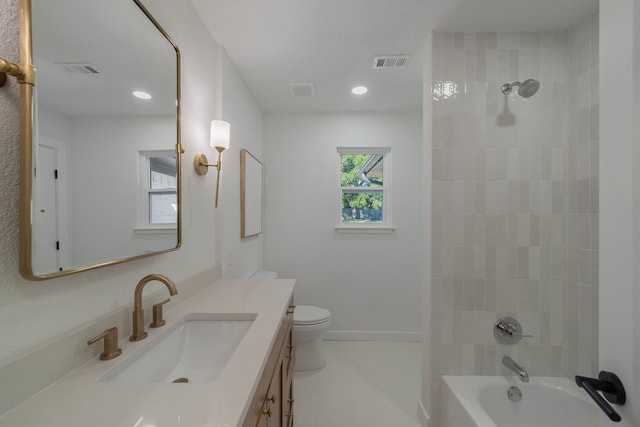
159, 200
365, 196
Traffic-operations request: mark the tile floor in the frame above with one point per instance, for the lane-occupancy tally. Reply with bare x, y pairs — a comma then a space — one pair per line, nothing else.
364, 384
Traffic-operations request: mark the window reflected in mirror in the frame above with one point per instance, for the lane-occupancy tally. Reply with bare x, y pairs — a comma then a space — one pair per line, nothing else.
162, 197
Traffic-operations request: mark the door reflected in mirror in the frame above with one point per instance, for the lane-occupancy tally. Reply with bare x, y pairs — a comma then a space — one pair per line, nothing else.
105, 162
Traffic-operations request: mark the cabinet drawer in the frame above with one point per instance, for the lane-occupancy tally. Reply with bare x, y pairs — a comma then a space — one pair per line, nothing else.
272, 404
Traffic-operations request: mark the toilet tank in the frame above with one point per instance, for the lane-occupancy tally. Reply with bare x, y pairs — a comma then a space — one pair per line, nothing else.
264, 274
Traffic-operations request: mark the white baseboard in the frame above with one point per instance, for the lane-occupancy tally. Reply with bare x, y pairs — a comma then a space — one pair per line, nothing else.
373, 336
423, 416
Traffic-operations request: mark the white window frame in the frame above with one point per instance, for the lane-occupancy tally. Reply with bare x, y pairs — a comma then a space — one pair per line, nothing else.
386, 226
144, 179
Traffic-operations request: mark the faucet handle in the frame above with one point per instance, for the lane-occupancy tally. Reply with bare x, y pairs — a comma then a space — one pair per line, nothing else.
157, 314
508, 330
111, 350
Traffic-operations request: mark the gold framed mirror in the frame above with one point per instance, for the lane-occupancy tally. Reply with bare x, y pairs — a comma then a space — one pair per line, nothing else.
100, 168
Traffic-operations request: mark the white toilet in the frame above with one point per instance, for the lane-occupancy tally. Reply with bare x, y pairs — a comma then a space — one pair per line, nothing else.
309, 324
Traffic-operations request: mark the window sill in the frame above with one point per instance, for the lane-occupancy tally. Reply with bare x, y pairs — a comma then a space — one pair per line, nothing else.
169, 229
365, 228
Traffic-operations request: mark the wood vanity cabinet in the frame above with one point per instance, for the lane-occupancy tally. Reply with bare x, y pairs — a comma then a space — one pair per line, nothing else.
272, 404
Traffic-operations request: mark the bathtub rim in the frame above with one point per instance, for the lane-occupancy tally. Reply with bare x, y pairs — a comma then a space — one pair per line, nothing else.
469, 398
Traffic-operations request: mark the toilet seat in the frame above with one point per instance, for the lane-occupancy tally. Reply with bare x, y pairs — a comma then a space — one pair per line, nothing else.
310, 315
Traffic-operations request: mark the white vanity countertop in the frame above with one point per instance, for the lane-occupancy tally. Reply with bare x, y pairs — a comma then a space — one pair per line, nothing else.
81, 400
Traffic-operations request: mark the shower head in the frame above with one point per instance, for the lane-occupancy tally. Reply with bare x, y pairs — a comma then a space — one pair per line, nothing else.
526, 89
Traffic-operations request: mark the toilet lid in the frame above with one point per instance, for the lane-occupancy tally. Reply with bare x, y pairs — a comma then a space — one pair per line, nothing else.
310, 315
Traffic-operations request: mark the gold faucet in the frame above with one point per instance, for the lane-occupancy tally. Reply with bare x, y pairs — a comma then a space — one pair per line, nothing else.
138, 312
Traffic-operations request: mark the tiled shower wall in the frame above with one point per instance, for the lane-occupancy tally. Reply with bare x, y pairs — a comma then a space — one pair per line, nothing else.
514, 202
499, 234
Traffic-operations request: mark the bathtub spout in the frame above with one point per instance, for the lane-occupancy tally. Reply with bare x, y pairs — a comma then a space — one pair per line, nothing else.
511, 364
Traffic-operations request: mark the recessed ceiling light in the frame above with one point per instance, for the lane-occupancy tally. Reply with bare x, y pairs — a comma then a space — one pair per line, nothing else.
359, 90
140, 94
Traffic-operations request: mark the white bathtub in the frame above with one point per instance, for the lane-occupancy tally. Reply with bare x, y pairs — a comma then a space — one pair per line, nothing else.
470, 401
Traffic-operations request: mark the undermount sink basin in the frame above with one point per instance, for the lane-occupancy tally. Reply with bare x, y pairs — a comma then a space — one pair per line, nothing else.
195, 349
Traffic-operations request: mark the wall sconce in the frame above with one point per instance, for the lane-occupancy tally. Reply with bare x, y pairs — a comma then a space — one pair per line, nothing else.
220, 132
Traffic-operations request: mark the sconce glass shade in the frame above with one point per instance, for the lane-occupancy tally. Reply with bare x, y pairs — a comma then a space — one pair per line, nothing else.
220, 132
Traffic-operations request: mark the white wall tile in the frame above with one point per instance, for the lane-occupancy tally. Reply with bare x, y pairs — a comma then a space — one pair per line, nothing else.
470, 40
526, 194
508, 40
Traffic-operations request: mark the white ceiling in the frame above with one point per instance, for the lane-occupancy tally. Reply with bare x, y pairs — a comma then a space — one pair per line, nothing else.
331, 43
68, 32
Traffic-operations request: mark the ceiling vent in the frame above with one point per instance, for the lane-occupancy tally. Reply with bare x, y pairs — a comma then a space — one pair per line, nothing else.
390, 61
301, 89
78, 67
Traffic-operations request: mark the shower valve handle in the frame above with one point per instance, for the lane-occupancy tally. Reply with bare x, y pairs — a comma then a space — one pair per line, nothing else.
508, 330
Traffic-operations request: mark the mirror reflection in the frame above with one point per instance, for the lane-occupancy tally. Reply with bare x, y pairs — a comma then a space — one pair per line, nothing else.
105, 176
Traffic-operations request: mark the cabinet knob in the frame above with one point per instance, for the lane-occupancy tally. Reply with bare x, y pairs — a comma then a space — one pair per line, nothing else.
271, 399
291, 309
290, 355
267, 411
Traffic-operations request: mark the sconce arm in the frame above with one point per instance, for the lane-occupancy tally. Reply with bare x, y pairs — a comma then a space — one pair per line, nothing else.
200, 162
202, 167
215, 165
23, 75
